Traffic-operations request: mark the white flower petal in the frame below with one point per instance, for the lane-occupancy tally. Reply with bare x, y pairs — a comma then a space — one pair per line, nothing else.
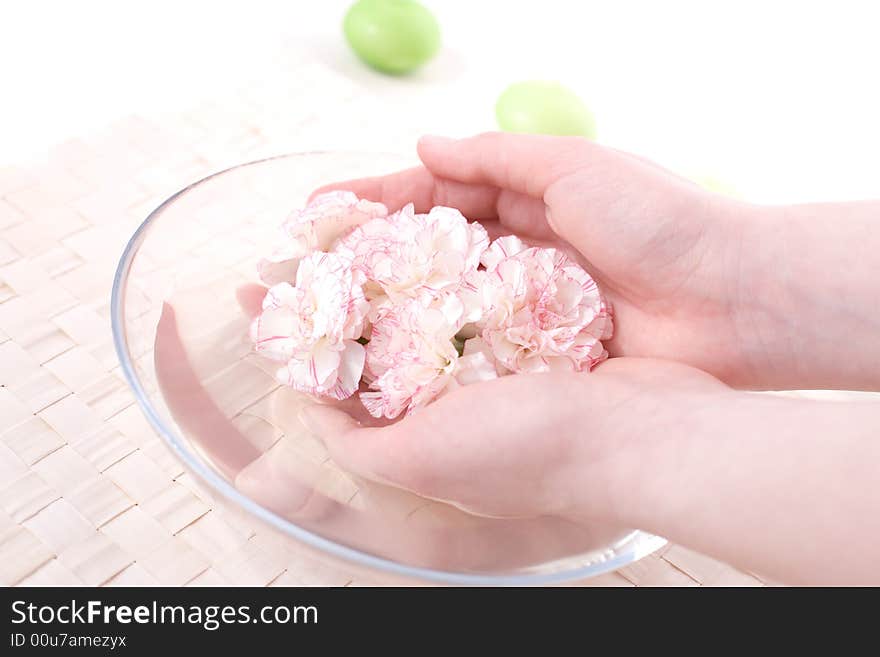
475, 367
351, 367
323, 365
328, 217
501, 249
271, 333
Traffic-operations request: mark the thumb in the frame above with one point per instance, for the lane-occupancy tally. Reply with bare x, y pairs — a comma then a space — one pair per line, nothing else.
458, 443
398, 454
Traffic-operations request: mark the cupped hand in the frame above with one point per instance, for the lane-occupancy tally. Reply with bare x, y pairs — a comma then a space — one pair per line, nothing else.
665, 251
295, 479
571, 445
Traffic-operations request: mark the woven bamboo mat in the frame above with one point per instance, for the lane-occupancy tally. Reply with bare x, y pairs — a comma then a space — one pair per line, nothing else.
88, 493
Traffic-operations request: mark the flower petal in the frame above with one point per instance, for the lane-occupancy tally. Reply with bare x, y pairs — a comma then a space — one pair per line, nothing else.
475, 367
351, 367
501, 249
543, 310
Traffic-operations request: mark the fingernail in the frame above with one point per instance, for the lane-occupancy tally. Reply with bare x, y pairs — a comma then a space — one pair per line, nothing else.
434, 141
549, 216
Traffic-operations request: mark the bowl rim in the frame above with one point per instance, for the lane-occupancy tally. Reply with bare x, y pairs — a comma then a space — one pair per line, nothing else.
642, 543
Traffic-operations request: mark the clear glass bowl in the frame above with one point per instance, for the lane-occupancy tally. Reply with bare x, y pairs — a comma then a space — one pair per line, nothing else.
180, 320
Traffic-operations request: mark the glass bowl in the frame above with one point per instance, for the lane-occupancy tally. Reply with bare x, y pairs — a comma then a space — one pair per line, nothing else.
180, 325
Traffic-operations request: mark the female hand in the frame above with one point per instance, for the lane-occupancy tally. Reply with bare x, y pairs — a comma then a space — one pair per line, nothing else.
761, 297
773, 485
561, 444
664, 250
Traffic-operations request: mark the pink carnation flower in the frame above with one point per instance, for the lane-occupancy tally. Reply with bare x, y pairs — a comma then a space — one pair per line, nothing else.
439, 306
407, 255
313, 327
412, 357
316, 227
543, 310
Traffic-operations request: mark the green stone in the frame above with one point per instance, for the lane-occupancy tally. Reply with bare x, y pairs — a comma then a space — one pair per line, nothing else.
542, 107
392, 36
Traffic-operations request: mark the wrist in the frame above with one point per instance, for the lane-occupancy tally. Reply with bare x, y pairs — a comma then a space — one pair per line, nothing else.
757, 288
771, 484
740, 319
806, 315
670, 479
642, 445
765, 307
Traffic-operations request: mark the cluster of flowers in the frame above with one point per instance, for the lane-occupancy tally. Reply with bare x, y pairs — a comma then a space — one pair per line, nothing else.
403, 307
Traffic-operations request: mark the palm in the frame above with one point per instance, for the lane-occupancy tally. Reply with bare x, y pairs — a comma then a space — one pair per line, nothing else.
505, 447
666, 293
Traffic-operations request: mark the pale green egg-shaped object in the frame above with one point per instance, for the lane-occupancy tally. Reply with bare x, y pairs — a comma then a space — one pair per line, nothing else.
543, 107
716, 185
392, 36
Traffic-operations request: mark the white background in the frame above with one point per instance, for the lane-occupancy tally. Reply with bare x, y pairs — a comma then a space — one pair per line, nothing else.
780, 100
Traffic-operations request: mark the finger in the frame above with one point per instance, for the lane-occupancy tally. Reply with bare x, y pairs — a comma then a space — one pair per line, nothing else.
519, 213
250, 298
436, 450
421, 188
285, 478
524, 216
327, 420
496, 229
394, 190
648, 163
527, 164
351, 445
